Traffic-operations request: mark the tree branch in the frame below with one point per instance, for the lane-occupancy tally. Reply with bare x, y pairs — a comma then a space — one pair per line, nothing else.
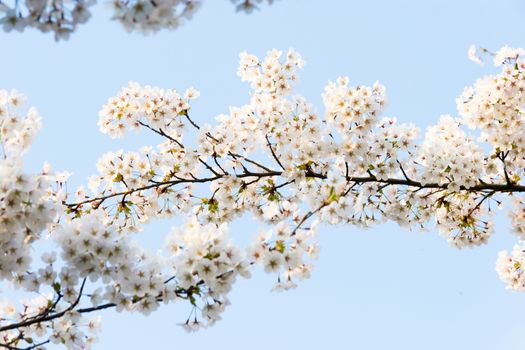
162, 133
480, 187
273, 152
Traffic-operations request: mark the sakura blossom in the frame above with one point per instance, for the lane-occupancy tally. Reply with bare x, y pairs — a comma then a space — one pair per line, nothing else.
276, 159
62, 17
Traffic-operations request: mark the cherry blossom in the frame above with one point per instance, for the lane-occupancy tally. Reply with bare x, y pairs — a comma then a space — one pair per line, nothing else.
62, 17
275, 159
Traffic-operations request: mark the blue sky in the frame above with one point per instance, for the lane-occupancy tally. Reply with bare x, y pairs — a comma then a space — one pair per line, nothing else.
384, 288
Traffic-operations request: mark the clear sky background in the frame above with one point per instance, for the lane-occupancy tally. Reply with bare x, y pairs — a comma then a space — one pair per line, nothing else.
384, 288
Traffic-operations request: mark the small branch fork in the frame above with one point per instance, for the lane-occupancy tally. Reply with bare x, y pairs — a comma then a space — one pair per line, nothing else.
273, 152
47, 314
502, 156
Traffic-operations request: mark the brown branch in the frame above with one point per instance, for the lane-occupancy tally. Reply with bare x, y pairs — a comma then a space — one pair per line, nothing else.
31, 347
502, 156
180, 292
219, 165
273, 152
191, 121
283, 184
99, 200
481, 187
485, 197
306, 217
403, 170
46, 317
162, 133
209, 167
235, 156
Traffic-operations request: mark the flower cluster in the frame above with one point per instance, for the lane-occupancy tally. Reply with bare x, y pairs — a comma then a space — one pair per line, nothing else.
353, 109
62, 17
283, 251
248, 5
205, 262
270, 75
26, 205
17, 129
150, 16
458, 161
72, 329
95, 251
494, 105
159, 108
462, 220
510, 268
57, 16
517, 215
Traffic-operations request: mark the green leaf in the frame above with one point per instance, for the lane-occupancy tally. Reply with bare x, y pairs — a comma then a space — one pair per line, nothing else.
119, 177
213, 205
197, 290
302, 167
274, 196
332, 197
123, 208
211, 256
279, 246
242, 187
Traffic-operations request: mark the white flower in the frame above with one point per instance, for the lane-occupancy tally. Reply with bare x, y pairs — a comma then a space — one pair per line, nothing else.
473, 55
272, 261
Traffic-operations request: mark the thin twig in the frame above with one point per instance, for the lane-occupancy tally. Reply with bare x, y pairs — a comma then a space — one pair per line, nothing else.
273, 152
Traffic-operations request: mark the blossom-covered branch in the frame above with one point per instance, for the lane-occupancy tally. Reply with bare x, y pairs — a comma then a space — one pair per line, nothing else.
275, 158
62, 17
